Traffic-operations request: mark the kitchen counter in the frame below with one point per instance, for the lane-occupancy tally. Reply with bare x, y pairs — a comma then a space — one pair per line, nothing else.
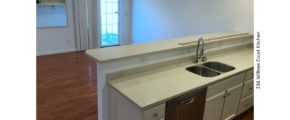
154, 87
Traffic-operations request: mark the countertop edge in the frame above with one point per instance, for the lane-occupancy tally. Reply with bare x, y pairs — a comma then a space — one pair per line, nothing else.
190, 44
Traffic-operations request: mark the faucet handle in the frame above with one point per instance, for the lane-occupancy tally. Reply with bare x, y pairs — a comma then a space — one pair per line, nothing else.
203, 59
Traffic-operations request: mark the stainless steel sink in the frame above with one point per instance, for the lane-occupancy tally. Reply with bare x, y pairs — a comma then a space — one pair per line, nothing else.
203, 71
210, 69
218, 66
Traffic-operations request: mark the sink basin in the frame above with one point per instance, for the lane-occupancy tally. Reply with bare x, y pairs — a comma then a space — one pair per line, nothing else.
218, 66
210, 69
203, 71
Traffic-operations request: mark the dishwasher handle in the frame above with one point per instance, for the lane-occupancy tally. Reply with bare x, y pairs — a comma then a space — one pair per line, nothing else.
187, 101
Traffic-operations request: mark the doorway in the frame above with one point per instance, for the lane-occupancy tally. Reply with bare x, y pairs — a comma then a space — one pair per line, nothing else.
109, 23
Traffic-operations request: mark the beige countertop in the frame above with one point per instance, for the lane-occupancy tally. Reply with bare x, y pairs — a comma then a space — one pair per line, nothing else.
125, 51
157, 86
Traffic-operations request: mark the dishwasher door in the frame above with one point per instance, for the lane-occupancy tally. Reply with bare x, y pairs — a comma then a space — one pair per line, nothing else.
187, 107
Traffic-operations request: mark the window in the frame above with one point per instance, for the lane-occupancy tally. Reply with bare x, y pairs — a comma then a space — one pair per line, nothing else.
109, 22
51, 13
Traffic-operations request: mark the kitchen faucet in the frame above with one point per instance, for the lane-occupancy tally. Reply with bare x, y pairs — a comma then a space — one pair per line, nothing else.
199, 51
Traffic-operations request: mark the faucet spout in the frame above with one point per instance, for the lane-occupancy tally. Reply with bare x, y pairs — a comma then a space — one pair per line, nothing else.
199, 53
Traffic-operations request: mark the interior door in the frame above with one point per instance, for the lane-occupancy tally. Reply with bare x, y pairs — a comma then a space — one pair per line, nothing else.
232, 102
214, 107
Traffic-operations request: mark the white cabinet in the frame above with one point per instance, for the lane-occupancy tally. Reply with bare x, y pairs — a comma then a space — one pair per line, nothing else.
249, 75
214, 106
246, 103
123, 109
223, 99
247, 97
248, 88
156, 113
231, 102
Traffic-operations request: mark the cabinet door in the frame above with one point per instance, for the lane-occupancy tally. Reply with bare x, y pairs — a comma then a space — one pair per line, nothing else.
246, 103
156, 113
248, 88
214, 106
231, 102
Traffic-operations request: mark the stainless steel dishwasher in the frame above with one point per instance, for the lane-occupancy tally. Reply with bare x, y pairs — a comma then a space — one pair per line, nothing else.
189, 106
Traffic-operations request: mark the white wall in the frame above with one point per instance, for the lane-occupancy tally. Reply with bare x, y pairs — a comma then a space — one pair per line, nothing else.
244, 16
57, 39
163, 19
125, 22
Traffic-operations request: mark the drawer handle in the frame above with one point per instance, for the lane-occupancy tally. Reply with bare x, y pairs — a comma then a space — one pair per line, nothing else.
250, 88
155, 115
229, 94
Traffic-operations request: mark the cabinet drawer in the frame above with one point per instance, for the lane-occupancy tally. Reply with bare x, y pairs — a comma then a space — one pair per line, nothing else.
248, 88
246, 103
249, 75
223, 85
156, 113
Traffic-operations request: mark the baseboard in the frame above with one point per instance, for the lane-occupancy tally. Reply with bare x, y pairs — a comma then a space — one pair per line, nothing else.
55, 52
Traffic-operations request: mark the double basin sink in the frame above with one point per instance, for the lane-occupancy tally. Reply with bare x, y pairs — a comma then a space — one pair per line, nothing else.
210, 69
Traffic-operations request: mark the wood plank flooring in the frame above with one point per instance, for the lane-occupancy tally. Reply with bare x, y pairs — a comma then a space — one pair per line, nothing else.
67, 88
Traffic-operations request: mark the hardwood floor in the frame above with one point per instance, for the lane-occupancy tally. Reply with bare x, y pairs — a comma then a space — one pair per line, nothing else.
67, 88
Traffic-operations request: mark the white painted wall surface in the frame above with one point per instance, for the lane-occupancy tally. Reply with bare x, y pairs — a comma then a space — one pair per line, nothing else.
125, 22
244, 16
154, 20
57, 39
